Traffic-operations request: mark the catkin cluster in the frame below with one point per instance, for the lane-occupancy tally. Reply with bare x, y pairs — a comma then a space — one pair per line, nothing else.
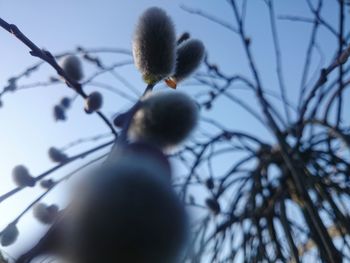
126, 209
158, 55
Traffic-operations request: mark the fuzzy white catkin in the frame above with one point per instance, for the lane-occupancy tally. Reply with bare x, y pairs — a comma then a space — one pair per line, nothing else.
45, 214
190, 54
154, 45
72, 66
93, 102
126, 211
21, 176
9, 235
165, 119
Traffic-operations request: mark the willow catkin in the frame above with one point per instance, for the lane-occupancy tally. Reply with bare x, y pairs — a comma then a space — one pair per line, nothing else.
45, 214
165, 119
59, 113
22, 177
93, 102
127, 211
190, 54
72, 66
57, 156
9, 235
154, 45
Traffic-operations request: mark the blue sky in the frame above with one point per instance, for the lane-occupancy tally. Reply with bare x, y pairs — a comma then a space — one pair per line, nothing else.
27, 126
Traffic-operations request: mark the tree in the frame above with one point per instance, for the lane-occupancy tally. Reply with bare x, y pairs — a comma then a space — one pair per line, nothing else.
281, 198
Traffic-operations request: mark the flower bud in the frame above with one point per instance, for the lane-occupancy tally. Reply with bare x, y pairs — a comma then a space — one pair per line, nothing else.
57, 156
58, 113
47, 183
209, 183
120, 119
344, 56
9, 235
21, 176
213, 205
45, 214
93, 102
126, 211
165, 119
65, 102
189, 56
72, 66
154, 45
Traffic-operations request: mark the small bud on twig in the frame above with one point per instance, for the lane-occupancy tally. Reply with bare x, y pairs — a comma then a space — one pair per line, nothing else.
93, 102
209, 183
58, 113
72, 66
21, 176
57, 156
9, 235
45, 214
344, 56
65, 102
213, 205
47, 183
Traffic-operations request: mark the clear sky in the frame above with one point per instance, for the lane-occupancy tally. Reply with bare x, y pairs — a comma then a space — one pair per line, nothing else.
27, 126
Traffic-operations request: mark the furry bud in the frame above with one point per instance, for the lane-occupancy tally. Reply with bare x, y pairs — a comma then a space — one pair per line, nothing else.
65, 102
189, 56
21, 176
93, 102
154, 45
9, 235
58, 113
47, 183
126, 211
72, 66
165, 119
120, 119
45, 214
57, 156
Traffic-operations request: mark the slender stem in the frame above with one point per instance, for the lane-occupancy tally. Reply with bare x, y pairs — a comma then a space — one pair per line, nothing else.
50, 59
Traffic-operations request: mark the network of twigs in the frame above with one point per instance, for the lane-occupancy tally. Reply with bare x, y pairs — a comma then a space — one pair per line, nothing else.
279, 199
